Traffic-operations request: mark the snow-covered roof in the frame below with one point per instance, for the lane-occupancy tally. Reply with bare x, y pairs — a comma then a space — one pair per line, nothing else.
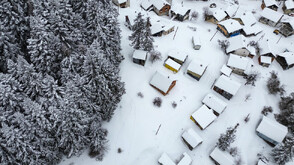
222, 157
160, 26
264, 47
159, 3
271, 15
226, 70
289, 4
192, 137
260, 162
252, 50
165, 160
254, 29
140, 54
180, 10
122, 1
272, 129
247, 17
238, 62
265, 59
289, 57
270, 3
146, 4
231, 25
236, 42
215, 103
186, 160
179, 55
231, 10
197, 67
204, 116
173, 64
227, 84
196, 39
161, 82
218, 14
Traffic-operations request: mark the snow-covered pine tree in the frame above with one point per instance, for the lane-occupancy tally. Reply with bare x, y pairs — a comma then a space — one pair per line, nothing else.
226, 139
284, 152
286, 115
148, 39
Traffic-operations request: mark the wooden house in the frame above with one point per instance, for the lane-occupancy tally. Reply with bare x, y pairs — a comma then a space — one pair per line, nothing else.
191, 139
203, 117
238, 64
245, 18
196, 42
122, 3
229, 27
161, 7
253, 30
225, 70
271, 131
288, 7
221, 157
264, 61
158, 29
172, 65
286, 60
161, 83
287, 28
231, 10
266, 55
196, 69
270, 17
226, 86
271, 4
215, 16
215, 103
180, 13
178, 56
165, 160
147, 5
185, 159
139, 57
238, 46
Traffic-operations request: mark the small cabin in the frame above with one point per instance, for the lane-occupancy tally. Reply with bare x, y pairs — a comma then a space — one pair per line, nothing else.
215, 16
161, 83
158, 29
165, 160
237, 46
265, 61
288, 7
203, 117
238, 64
215, 103
139, 57
185, 159
226, 87
122, 3
225, 70
180, 14
178, 56
271, 131
271, 4
253, 30
287, 28
191, 139
229, 27
196, 69
286, 60
196, 42
161, 7
172, 65
270, 17
222, 157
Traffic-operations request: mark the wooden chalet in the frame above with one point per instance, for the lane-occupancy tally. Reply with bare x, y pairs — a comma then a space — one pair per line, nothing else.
226, 87
196, 69
245, 18
286, 60
161, 7
196, 42
238, 46
161, 83
271, 131
185, 159
191, 139
215, 16
158, 29
270, 17
180, 14
178, 56
238, 64
271, 4
288, 7
203, 117
231, 10
165, 160
215, 103
253, 30
287, 28
122, 3
221, 157
172, 65
266, 55
139, 57
229, 27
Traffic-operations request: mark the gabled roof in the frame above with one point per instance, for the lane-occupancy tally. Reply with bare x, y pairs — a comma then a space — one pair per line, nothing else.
146, 4
140, 54
159, 3
173, 64
215, 103
270, 3
192, 138
179, 55
227, 84
180, 10
254, 29
218, 14
252, 50
239, 62
289, 57
264, 47
222, 157
231, 25
165, 160
186, 160
247, 18
271, 15
231, 10
236, 42
197, 67
272, 129
161, 82
204, 116
289, 4
158, 27
226, 70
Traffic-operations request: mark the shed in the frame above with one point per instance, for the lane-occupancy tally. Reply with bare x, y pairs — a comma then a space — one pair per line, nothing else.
270, 17
161, 7
185, 160
238, 64
286, 60
196, 42
225, 70
215, 103
178, 56
226, 87
288, 7
271, 4
215, 16
158, 29
161, 83
203, 117
196, 69
165, 160
139, 57
238, 46
271, 131
172, 65
229, 27
122, 3
253, 30
221, 157
180, 13
191, 139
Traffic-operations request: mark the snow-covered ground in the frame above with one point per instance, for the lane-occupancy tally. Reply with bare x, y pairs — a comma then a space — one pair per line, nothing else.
135, 122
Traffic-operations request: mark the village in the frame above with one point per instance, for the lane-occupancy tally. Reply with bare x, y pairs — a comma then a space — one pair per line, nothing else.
206, 87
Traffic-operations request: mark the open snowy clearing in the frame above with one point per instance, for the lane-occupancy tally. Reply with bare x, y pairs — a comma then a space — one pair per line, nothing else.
134, 125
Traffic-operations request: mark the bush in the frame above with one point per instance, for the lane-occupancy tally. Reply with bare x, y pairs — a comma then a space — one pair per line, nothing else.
234, 151
157, 101
174, 104
227, 138
224, 44
119, 150
251, 78
194, 15
266, 110
140, 94
155, 56
274, 85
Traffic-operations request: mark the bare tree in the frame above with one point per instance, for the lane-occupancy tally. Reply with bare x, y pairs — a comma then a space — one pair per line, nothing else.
224, 44
155, 56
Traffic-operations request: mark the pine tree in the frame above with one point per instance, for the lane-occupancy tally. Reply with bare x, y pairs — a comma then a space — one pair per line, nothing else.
286, 115
284, 152
226, 139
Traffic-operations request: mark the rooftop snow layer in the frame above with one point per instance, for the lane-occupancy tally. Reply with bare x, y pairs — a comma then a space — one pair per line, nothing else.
231, 10
173, 64
140, 54
226, 70
254, 29
231, 25
236, 42
192, 137
265, 59
161, 82
264, 47
227, 84
270, 3
246, 17
222, 157
159, 3
215, 103
271, 15
204, 116
289, 57
177, 55
165, 160
186, 160
238, 62
289, 4
146, 4
260, 162
197, 67
218, 14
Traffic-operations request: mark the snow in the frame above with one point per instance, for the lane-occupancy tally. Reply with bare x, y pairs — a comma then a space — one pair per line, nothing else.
231, 10
186, 160
247, 17
146, 4
260, 162
173, 64
289, 4
196, 39
161, 82
159, 3
227, 84
231, 25
140, 54
252, 30
221, 157
238, 62
265, 59
265, 47
289, 57
192, 137
236, 42
204, 116
197, 66
165, 160
121, 1
270, 3
226, 70
218, 14
179, 55
252, 50
179, 9
272, 129
271, 15
215, 103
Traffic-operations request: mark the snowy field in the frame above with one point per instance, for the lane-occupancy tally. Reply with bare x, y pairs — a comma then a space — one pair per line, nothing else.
135, 122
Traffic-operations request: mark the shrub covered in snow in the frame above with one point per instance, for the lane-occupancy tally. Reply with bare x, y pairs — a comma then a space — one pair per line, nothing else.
155, 56
224, 44
274, 85
284, 152
157, 101
266, 110
227, 138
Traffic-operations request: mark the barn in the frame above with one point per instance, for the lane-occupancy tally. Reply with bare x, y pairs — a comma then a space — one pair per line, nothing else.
161, 7
161, 83
178, 56
226, 86
165, 160
221, 157
287, 28
238, 46
215, 16
185, 159
159, 29
271, 4
180, 13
